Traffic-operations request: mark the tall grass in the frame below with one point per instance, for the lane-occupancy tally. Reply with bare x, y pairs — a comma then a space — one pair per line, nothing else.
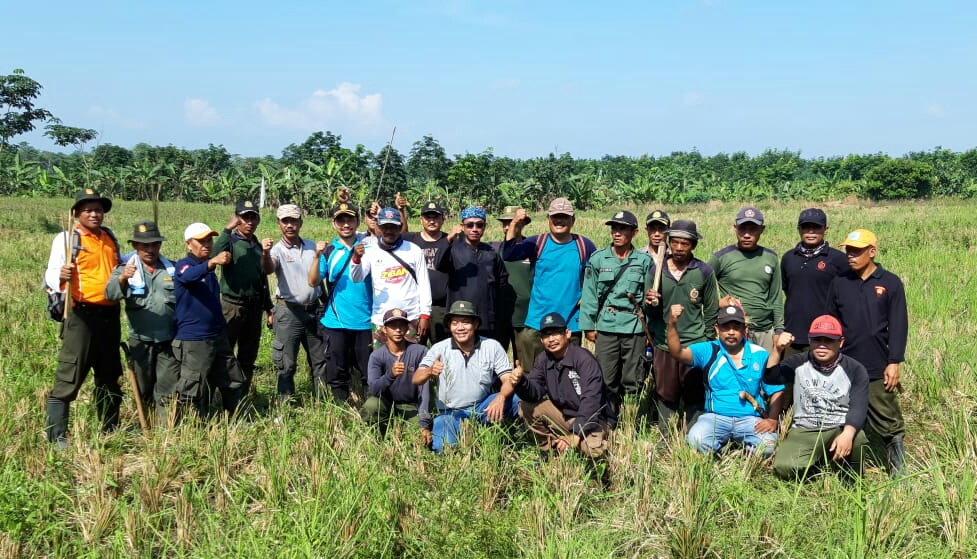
315, 482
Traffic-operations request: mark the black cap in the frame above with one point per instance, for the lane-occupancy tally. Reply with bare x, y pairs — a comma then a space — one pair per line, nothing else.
245, 206
89, 195
658, 216
749, 214
146, 232
684, 229
432, 208
731, 313
394, 315
344, 208
623, 217
813, 215
551, 321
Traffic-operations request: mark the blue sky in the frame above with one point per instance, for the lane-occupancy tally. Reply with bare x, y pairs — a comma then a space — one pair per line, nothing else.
523, 78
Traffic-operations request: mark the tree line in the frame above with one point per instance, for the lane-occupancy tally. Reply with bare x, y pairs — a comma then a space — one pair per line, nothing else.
308, 173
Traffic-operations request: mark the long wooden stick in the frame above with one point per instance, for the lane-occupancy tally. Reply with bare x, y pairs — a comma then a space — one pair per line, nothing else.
386, 158
659, 257
134, 385
69, 227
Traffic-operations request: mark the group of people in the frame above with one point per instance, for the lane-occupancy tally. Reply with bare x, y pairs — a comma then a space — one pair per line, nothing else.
419, 325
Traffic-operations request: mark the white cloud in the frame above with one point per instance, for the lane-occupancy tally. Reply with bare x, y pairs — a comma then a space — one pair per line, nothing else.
342, 104
934, 109
112, 117
198, 113
693, 98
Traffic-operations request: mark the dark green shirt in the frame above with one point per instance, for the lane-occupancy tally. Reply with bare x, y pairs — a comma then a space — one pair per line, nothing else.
617, 313
754, 278
696, 290
243, 277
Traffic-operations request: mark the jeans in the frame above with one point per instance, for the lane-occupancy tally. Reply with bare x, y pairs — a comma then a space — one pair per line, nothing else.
711, 432
447, 424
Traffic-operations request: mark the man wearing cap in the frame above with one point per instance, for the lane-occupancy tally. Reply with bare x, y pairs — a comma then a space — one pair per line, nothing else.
434, 243
806, 273
296, 305
564, 400
614, 277
514, 296
244, 284
346, 305
830, 403
870, 302
558, 258
749, 275
691, 283
467, 367
91, 332
390, 375
144, 279
656, 226
734, 367
398, 275
476, 273
200, 344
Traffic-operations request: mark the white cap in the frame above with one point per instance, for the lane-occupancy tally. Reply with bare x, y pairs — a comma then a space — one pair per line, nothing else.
289, 210
198, 231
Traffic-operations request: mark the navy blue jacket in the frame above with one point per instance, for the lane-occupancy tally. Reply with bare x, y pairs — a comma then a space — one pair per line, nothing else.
198, 303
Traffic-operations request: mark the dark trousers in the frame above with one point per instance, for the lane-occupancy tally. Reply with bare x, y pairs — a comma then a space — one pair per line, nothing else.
346, 349
621, 359
296, 327
156, 367
244, 332
205, 365
90, 341
884, 415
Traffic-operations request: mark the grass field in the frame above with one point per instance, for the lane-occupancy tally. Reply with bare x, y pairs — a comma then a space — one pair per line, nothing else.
318, 483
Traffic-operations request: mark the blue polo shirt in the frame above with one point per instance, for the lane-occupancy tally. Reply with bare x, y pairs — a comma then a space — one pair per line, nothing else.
725, 380
198, 305
352, 302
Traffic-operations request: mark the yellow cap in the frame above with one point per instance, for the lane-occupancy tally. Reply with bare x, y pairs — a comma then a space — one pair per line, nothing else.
860, 238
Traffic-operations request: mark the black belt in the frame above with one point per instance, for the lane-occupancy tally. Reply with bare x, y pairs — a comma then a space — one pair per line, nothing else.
244, 301
90, 307
307, 308
609, 308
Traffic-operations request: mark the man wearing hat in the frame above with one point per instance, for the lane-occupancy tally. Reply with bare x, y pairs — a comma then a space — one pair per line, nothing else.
390, 374
806, 273
830, 403
514, 296
466, 367
434, 243
657, 223
476, 273
870, 302
559, 258
244, 284
296, 305
733, 367
346, 327
80, 265
200, 344
398, 275
144, 280
690, 282
615, 276
564, 400
749, 275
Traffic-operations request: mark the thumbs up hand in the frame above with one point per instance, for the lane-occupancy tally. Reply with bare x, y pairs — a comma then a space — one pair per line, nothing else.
517, 374
398, 366
437, 367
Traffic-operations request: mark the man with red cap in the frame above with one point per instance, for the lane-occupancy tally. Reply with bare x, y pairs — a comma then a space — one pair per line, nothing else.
830, 404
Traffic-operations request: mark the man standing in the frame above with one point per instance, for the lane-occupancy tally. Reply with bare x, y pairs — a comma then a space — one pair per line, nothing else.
514, 296
564, 400
475, 271
145, 281
466, 366
296, 305
434, 243
244, 284
398, 273
806, 273
734, 367
656, 226
201, 345
749, 275
347, 304
690, 282
830, 402
614, 277
390, 374
91, 332
558, 258
871, 304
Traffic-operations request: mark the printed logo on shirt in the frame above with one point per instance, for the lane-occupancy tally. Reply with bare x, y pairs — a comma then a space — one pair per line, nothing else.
768, 269
822, 265
184, 268
880, 290
394, 274
574, 377
693, 295
756, 367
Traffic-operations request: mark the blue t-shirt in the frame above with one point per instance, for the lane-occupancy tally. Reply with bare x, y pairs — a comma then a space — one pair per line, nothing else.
352, 302
725, 381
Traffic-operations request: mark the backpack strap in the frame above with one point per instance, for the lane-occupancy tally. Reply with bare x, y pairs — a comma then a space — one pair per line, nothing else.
581, 248
540, 243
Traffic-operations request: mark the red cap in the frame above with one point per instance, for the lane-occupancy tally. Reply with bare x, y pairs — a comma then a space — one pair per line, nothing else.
825, 326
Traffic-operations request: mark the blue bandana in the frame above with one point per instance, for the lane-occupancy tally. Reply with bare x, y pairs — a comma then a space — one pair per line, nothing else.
472, 211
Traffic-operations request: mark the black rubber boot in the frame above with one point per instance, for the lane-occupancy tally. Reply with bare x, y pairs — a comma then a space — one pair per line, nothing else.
895, 455
57, 421
107, 404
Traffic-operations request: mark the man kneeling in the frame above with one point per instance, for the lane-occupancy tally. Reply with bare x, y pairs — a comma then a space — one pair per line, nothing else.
467, 367
578, 411
830, 405
734, 370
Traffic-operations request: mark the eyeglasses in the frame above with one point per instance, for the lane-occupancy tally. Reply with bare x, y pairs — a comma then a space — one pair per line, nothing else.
475, 225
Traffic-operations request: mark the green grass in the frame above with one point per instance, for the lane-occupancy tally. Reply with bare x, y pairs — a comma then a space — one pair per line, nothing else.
319, 483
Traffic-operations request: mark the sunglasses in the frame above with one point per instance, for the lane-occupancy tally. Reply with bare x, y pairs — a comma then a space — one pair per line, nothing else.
475, 225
